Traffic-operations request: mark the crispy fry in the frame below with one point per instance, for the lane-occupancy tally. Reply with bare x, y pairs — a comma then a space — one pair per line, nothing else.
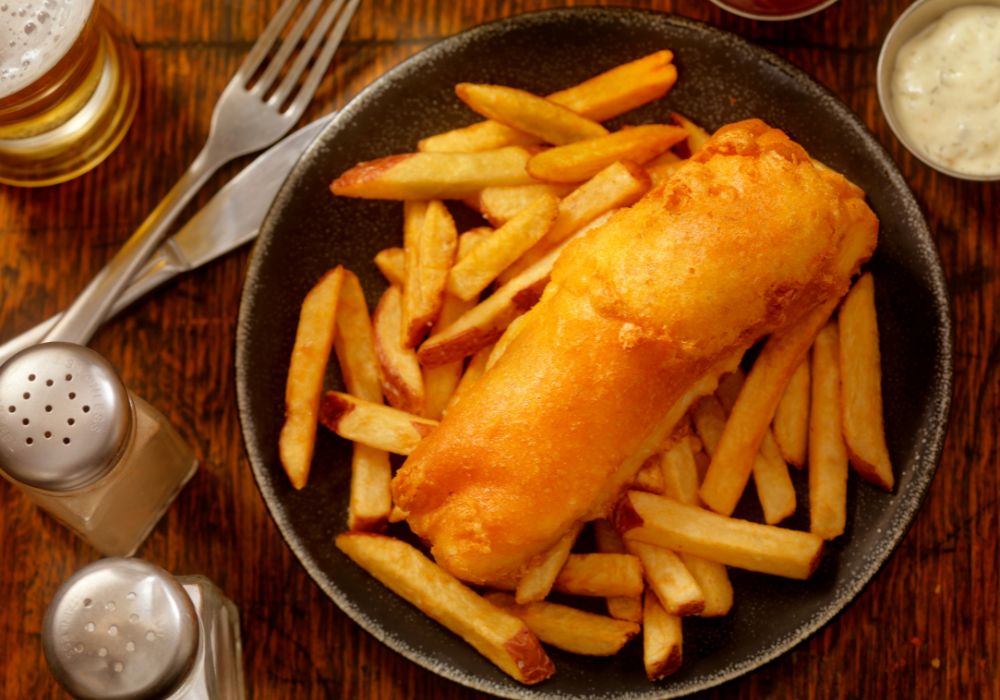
310, 353
827, 452
680, 473
861, 373
751, 415
661, 168
696, 136
608, 541
370, 501
646, 517
501, 204
434, 175
474, 272
391, 263
602, 97
770, 473
429, 253
538, 579
528, 113
621, 184
582, 160
650, 476
791, 418
499, 636
373, 424
661, 639
669, 578
474, 370
600, 575
569, 629
713, 580
486, 322
402, 381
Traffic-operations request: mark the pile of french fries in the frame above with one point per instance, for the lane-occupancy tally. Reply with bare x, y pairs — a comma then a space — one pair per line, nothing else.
541, 172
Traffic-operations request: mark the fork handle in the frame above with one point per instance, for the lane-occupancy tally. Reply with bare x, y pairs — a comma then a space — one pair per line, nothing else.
79, 322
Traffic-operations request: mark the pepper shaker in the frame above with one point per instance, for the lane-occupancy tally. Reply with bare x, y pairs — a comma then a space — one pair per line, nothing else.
84, 448
124, 629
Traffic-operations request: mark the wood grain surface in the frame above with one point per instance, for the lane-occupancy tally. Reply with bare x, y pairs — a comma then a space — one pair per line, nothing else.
927, 626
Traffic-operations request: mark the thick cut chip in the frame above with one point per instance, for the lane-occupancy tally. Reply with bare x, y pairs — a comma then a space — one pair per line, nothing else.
402, 380
602, 97
861, 372
669, 578
474, 272
791, 418
751, 416
569, 629
827, 452
600, 575
372, 423
501, 637
391, 262
531, 114
646, 517
661, 639
434, 175
582, 160
310, 353
713, 580
429, 257
371, 498
680, 473
697, 137
610, 542
650, 476
501, 204
538, 579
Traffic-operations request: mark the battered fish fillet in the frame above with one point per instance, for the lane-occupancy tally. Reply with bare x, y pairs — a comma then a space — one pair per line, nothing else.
640, 318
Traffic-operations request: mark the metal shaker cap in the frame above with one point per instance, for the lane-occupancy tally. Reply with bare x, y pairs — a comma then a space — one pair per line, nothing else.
120, 629
64, 416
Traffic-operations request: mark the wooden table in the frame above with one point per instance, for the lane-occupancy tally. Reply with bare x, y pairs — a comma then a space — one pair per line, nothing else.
926, 627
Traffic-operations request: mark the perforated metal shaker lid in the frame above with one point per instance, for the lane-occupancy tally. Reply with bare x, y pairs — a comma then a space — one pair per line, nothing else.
121, 629
64, 416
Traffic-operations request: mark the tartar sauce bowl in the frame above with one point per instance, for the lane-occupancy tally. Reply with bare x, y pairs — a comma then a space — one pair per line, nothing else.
912, 22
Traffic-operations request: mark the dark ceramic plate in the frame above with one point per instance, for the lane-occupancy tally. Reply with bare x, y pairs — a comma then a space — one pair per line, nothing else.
722, 79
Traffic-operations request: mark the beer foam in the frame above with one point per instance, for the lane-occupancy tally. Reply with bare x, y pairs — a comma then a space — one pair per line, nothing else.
34, 35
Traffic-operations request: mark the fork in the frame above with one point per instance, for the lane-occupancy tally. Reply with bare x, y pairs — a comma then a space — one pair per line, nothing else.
247, 118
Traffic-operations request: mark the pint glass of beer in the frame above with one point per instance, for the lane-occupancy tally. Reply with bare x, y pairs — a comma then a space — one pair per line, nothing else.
69, 88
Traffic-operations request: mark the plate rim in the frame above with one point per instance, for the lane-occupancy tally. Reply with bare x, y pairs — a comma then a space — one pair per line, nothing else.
934, 431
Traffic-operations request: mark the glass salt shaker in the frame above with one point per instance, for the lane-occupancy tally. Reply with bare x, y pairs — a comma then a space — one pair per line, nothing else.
84, 448
124, 629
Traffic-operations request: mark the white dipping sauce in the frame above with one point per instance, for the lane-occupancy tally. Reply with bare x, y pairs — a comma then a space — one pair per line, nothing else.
946, 90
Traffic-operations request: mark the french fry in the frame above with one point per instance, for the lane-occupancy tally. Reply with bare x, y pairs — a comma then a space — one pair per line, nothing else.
713, 580
496, 634
373, 424
310, 353
441, 382
501, 204
402, 381
537, 581
649, 477
861, 374
582, 160
680, 473
646, 517
661, 639
602, 97
486, 322
391, 263
567, 628
600, 575
608, 541
696, 136
669, 578
770, 472
474, 272
528, 113
621, 184
429, 257
473, 371
733, 461
791, 418
662, 168
434, 175
827, 452
370, 501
